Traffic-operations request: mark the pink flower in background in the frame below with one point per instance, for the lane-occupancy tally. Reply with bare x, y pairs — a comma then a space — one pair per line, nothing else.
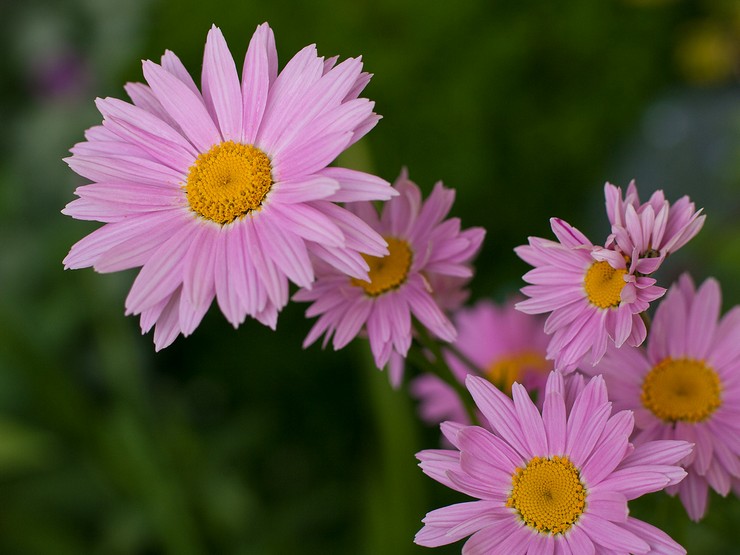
686, 385
422, 243
506, 345
593, 295
649, 232
225, 192
553, 482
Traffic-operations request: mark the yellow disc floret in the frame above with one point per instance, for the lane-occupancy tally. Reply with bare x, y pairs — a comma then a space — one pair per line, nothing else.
387, 272
604, 284
504, 371
228, 181
681, 390
548, 494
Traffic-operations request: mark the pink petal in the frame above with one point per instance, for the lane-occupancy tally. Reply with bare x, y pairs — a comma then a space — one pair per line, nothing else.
184, 106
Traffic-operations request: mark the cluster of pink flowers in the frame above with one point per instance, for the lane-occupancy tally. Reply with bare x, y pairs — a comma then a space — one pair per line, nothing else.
225, 192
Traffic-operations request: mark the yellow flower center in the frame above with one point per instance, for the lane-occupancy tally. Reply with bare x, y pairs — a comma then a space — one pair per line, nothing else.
504, 371
548, 494
681, 390
228, 181
387, 272
604, 284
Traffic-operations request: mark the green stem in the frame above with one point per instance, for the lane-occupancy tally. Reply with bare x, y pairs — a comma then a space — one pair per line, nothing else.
646, 318
474, 368
439, 368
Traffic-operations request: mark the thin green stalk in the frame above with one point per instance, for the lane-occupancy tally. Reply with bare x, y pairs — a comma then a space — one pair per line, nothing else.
474, 368
439, 368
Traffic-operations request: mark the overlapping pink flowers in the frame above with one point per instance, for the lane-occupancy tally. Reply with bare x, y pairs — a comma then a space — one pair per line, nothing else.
686, 385
554, 482
225, 192
422, 244
593, 295
649, 232
499, 342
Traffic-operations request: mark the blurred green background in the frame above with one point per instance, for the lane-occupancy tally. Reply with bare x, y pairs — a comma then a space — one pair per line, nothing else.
239, 442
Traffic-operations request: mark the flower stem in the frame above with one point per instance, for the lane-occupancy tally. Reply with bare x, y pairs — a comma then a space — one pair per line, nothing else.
439, 368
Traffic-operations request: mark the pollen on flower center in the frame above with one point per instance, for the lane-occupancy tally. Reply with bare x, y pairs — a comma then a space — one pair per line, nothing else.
681, 390
604, 284
504, 371
228, 181
548, 494
387, 272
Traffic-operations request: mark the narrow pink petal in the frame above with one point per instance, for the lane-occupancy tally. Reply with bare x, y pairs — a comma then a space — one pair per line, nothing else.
168, 323
346, 261
324, 94
694, 494
488, 539
250, 289
198, 271
162, 273
567, 234
428, 312
490, 451
143, 97
274, 281
357, 234
287, 250
184, 106
530, 420
172, 64
308, 222
553, 416
221, 88
287, 94
190, 316
611, 448
579, 542
702, 319
609, 505
354, 318
127, 169
664, 451
148, 132
88, 250
260, 70
439, 524
226, 290
310, 157
399, 215
611, 536
304, 189
358, 186
499, 411
586, 420
137, 250
660, 542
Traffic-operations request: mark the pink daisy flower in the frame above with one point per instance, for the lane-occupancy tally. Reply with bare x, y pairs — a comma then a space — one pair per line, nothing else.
686, 386
651, 231
593, 294
225, 192
421, 243
506, 345
555, 482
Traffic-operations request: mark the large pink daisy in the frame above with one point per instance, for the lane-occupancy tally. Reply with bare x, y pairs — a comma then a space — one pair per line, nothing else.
686, 385
651, 231
593, 294
504, 344
226, 192
555, 482
421, 243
